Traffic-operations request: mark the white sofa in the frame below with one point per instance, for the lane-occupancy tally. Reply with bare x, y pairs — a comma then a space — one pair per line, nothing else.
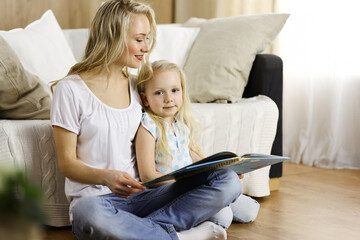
248, 125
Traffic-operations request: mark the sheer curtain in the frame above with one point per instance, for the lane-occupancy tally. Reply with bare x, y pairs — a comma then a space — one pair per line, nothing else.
319, 46
320, 49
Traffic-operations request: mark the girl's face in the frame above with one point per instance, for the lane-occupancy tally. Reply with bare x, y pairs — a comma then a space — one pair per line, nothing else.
163, 95
137, 41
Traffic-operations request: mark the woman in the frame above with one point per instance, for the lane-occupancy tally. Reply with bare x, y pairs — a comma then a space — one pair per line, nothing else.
95, 115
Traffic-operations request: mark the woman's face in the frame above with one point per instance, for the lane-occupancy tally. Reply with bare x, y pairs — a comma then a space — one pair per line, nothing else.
137, 41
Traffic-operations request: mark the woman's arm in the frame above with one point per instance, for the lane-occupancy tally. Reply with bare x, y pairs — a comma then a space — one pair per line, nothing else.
120, 183
145, 155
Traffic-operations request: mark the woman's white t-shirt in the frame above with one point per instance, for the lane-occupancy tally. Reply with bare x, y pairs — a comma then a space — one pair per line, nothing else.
104, 134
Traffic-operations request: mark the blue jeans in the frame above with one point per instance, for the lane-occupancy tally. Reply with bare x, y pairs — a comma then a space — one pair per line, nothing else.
159, 212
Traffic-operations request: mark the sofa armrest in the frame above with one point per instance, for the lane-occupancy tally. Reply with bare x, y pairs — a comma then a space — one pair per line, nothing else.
266, 78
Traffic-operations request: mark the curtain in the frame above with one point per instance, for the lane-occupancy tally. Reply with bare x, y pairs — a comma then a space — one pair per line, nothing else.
321, 108
184, 9
321, 99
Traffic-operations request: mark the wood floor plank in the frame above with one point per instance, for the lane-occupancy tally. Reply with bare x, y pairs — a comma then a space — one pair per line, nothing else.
54, 233
311, 203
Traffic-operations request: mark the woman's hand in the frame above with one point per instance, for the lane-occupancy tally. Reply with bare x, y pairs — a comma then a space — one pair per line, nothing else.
122, 184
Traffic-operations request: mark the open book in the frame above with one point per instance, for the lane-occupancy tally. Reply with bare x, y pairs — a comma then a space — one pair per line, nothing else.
241, 165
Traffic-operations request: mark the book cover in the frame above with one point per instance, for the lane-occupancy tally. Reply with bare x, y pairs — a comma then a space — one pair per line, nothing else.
245, 163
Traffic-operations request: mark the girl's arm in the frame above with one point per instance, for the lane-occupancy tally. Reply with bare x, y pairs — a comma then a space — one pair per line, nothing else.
194, 156
145, 155
120, 183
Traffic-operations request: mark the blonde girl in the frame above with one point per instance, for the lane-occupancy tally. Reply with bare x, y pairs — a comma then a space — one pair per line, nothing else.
95, 114
163, 86
166, 140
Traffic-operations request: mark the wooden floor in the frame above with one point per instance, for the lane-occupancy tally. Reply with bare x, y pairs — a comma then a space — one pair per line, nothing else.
312, 203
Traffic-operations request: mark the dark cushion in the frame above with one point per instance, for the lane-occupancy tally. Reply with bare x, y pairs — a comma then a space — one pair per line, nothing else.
266, 78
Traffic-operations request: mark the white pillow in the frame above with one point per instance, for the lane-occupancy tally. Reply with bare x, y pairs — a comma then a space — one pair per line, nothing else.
221, 58
173, 43
42, 48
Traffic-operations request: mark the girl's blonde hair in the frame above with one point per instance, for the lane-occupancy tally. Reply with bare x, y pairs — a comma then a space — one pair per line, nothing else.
107, 36
184, 115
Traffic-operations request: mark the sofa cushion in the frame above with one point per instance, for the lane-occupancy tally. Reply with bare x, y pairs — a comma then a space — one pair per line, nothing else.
42, 48
221, 58
173, 43
22, 94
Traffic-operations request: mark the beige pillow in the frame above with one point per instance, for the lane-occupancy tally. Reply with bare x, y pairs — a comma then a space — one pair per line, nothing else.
221, 58
22, 95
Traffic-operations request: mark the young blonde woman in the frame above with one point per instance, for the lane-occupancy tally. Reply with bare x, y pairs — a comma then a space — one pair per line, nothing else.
95, 114
165, 140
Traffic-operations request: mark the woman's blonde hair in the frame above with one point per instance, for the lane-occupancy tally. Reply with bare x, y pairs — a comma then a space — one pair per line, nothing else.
184, 115
107, 36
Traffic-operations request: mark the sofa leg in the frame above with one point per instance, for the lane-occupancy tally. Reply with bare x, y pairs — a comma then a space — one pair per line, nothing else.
274, 184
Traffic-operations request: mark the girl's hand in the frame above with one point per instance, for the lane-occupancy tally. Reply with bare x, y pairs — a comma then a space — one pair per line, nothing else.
122, 184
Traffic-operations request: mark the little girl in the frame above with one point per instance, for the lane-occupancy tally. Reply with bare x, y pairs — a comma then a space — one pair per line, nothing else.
165, 140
